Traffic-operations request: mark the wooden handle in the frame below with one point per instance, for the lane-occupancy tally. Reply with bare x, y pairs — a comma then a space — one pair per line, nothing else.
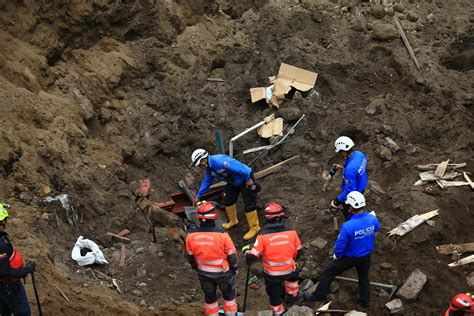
335, 223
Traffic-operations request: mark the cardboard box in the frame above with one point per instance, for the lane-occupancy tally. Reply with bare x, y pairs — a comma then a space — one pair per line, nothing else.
288, 77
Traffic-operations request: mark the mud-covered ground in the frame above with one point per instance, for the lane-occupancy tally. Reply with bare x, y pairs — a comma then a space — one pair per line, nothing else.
95, 95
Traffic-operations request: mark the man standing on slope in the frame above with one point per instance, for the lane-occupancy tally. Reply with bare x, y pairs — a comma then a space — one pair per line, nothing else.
279, 247
12, 293
352, 249
354, 173
239, 179
212, 254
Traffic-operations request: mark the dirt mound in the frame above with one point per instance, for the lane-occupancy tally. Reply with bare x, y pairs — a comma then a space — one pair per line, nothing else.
95, 95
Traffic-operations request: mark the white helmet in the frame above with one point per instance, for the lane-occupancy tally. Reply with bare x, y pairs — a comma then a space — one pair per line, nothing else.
343, 143
198, 155
355, 199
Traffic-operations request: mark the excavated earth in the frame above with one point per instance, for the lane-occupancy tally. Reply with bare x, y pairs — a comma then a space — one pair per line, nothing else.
96, 94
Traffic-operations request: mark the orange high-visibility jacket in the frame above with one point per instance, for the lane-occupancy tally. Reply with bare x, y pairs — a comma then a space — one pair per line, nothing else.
210, 249
278, 248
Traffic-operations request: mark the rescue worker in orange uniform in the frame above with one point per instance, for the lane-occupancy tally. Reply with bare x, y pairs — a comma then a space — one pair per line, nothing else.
13, 298
212, 254
279, 247
461, 305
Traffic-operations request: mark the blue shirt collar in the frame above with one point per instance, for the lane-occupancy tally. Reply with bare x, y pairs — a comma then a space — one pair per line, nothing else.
364, 213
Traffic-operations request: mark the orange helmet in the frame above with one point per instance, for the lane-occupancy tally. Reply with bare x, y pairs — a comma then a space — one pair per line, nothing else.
462, 302
207, 210
274, 210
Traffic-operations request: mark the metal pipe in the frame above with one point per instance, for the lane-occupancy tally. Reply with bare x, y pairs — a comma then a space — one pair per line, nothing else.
233, 139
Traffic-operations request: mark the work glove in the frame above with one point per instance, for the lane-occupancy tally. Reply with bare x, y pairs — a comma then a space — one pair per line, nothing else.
245, 249
335, 204
30, 266
196, 202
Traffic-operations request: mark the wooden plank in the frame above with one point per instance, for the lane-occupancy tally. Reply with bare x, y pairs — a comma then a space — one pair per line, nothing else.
216, 79
262, 173
412, 223
441, 169
122, 256
455, 248
406, 42
429, 176
463, 261
447, 184
433, 166
120, 238
468, 180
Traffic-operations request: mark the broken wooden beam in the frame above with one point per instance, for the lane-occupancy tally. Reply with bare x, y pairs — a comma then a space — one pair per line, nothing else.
455, 248
122, 256
412, 223
433, 166
463, 261
406, 42
62, 293
446, 184
430, 176
119, 238
471, 184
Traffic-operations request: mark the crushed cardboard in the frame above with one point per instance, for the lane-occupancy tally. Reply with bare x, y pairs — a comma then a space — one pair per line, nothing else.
274, 127
288, 77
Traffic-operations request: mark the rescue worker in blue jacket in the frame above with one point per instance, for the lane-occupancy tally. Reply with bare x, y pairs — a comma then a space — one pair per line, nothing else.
12, 293
354, 173
352, 249
239, 178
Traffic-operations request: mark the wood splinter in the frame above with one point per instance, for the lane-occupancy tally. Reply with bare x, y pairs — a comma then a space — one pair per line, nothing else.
406, 42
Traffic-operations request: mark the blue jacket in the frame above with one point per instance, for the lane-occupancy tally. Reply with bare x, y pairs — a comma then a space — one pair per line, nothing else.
354, 177
224, 168
356, 238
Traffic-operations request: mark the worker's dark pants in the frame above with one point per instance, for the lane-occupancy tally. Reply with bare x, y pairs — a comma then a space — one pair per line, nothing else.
248, 195
275, 286
13, 299
336, 267
225, 283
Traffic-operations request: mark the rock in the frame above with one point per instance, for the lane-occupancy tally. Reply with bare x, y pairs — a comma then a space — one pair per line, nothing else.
386, 265
334, 287
413, 285
431, 223
378, 11
318, 243
398, 7
384, 32
411, 16
355, 313
430, 16
410, 149
470, 280
376, 188
172, 276
390, 12
349, 3
290, 114
343, 296
432, 190
141, 273
375, 107
383, 153
137, 293
308, 286
43, 190
89, 273
143, 303
296, 310
142, 284
21, 187
45, 216
140, 250
395, 306
390, 144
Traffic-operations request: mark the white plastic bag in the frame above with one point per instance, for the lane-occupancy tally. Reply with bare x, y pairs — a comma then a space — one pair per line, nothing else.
94, 256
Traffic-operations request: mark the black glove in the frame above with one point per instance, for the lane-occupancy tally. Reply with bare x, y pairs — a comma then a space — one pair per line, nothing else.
31, 266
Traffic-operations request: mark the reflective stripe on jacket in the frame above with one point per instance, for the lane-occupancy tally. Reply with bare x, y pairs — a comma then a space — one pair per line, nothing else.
278, 248
210, 250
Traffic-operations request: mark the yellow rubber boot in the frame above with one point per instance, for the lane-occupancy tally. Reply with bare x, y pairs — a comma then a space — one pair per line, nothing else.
232, 215
252, 220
